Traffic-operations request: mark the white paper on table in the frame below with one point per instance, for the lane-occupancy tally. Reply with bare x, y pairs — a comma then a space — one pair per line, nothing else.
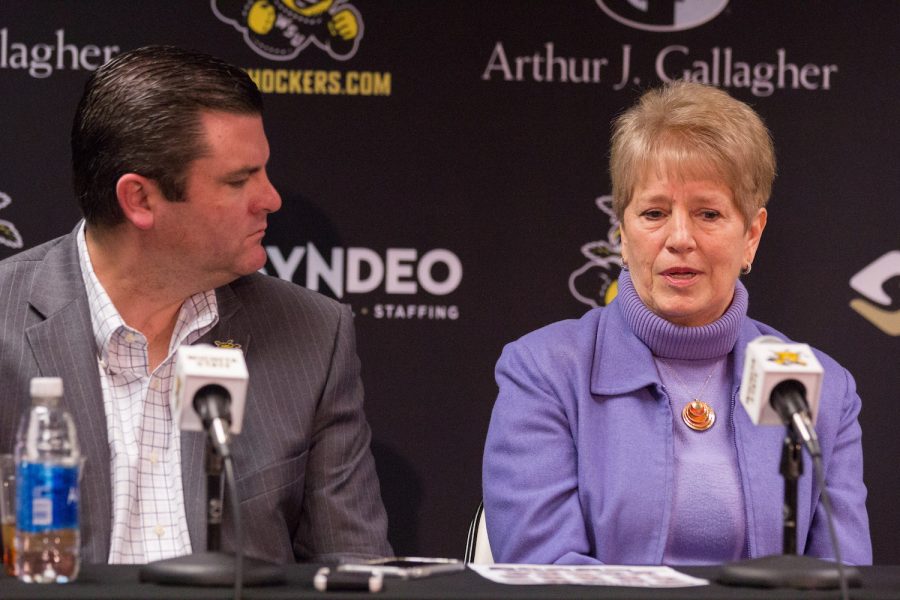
612, 575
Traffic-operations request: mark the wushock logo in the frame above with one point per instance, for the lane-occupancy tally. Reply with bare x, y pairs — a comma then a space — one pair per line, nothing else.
9, 235
282, 29
870, 282
596, 282
279, 30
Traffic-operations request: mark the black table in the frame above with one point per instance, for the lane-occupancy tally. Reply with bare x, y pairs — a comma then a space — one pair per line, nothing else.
102, 582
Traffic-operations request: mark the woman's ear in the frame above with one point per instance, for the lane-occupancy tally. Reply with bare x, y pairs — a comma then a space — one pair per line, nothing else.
754, 233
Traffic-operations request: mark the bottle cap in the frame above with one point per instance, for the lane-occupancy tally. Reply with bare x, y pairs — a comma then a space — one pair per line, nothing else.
46, 387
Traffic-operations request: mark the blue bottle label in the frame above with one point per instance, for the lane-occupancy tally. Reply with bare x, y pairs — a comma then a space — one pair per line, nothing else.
47, 497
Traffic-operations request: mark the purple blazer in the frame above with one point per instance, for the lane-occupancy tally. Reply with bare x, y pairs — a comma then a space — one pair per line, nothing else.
578, 463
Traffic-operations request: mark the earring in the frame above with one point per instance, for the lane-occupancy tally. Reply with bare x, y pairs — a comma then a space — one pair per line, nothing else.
746, 270
624, 264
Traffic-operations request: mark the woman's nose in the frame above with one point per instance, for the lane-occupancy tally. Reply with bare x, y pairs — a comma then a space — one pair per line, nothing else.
681, 233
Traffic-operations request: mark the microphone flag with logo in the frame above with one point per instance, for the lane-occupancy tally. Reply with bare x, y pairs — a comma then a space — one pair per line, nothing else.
770, 362
202, 365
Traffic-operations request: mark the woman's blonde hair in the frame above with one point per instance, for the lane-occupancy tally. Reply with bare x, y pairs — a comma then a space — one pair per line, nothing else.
691, 130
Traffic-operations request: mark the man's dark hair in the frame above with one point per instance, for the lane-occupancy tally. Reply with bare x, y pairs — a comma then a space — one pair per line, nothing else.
140, 113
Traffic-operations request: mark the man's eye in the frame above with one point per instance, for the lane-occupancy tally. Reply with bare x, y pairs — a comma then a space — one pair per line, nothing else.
237, 183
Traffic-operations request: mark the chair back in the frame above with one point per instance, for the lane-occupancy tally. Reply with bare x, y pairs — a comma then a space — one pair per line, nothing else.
478, 548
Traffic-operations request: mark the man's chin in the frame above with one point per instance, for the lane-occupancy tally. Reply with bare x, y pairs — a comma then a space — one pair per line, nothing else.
255, 262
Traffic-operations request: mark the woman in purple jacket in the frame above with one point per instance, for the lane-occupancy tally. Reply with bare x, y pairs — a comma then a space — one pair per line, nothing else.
616, 438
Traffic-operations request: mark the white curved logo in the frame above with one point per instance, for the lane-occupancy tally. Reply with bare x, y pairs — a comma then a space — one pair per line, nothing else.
663, 15
870, 283
9, 235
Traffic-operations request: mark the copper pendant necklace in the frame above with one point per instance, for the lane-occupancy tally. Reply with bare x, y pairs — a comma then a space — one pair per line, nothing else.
696, 414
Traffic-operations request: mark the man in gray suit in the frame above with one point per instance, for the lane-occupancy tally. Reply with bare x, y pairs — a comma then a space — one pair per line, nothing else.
169, 158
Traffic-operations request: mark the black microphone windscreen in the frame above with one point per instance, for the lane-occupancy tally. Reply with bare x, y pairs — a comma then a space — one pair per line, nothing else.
789, 398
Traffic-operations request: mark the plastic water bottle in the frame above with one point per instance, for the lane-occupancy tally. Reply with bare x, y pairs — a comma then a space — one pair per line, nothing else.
48, 461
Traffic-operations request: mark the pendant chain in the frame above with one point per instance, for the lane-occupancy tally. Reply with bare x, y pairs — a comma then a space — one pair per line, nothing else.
696, 414
683, 386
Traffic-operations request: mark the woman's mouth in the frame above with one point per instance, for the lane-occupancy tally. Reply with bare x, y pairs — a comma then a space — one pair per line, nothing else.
680, 274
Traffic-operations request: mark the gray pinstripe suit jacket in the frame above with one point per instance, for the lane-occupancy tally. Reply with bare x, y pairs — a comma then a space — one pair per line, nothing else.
305, 474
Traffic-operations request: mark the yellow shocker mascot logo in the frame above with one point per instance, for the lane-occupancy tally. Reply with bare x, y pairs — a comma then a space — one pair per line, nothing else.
596, 282
282, 29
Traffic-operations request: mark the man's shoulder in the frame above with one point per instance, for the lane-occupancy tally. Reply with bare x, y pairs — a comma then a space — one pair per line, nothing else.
278, 294
31, 256
23, 267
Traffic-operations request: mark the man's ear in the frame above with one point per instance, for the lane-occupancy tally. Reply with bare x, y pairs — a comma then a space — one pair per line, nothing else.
136, 195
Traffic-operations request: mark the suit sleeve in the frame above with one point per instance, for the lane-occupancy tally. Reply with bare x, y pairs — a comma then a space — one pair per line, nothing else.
844, 481
343, 517
530, 479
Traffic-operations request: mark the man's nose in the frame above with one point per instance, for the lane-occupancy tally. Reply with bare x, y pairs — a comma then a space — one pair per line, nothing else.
270, 199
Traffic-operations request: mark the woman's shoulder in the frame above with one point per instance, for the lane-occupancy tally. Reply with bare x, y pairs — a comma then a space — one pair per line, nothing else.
836, 377
823, 357
565, 331
569, 340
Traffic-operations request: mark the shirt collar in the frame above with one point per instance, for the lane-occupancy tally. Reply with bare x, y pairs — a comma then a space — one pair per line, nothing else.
198, 314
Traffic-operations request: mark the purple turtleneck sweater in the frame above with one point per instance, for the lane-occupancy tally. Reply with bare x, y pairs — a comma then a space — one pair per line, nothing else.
708, 506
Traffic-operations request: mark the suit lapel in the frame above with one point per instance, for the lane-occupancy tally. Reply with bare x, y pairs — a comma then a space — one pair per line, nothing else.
63, 346
232, 331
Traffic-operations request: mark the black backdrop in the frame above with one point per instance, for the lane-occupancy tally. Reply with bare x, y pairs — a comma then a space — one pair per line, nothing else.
437, 143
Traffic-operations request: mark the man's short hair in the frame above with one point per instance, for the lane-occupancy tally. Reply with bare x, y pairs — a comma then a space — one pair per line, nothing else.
140, 113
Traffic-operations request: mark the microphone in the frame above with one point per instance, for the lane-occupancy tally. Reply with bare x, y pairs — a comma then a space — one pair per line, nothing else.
212, 403
781, 385
210, 392
209, 395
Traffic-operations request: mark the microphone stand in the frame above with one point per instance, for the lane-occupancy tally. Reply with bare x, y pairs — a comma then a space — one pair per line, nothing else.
212, 568
215, 499
789, 569
791, 470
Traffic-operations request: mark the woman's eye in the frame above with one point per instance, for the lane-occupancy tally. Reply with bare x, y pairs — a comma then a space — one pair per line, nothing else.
653, 214
710, 215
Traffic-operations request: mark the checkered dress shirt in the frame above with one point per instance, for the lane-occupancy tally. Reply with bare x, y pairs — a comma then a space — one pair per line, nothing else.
149, 520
